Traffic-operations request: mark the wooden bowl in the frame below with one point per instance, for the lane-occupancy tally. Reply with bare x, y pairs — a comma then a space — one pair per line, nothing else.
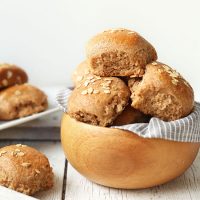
121, 159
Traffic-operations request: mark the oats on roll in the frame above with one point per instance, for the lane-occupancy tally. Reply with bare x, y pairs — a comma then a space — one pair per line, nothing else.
24, 169
98, 100
162, 93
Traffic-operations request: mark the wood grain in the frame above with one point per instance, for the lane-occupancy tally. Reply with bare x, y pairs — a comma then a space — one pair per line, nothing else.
45, 128
7, 194
31, 134
186, 187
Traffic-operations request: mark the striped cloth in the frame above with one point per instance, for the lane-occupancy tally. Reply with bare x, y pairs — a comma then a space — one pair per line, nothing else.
186, 129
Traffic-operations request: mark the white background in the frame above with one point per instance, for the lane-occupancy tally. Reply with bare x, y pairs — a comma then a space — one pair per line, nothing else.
47, 37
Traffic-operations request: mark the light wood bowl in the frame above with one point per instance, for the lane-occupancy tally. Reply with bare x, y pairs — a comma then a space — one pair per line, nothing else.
121, 159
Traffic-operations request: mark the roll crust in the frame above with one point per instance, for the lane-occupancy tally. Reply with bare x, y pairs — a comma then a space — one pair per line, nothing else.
119, 52
24, 169
20, 101
11, 75
98, 100
129, 116
80, 73
162, 93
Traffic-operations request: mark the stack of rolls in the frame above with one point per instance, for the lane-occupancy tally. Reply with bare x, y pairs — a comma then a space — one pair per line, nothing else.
17, 98
120, 82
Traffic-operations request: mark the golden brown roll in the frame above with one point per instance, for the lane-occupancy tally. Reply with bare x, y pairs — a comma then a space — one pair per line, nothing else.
119, 52
130, 115
162, 93
80, 73
98, 100
20, 101
11, 75
24, 169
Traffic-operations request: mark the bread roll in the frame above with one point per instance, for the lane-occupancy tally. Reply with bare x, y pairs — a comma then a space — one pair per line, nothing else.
98, 101
24, 169
129, 116
11, 75
119, 52
162, 93
80, 73
20, 101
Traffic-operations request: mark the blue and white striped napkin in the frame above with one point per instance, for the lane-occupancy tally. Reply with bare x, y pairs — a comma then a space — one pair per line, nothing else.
186, 129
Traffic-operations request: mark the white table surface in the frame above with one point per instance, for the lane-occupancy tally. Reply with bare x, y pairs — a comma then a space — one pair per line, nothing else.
44, 134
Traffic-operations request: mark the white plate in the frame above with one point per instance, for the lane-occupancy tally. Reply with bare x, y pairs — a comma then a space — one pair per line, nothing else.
51, 109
